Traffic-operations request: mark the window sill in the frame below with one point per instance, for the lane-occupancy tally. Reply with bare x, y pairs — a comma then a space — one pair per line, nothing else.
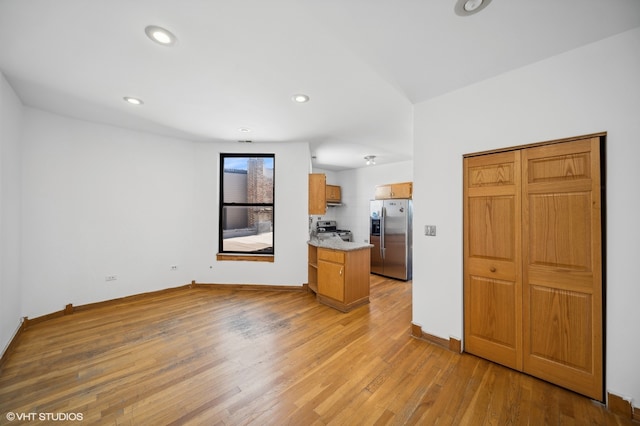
245, 257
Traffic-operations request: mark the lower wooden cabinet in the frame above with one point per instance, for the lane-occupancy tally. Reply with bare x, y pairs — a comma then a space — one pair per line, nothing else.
313, 268
343, 278
331, 272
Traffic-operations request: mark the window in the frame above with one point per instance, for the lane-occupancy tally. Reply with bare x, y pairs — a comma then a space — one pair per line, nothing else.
246, 203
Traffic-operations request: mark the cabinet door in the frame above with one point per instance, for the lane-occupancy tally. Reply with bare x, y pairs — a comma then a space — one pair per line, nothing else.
394, 190
492, 252
331, 279
317, 194
383, 192
333, 194
402, 190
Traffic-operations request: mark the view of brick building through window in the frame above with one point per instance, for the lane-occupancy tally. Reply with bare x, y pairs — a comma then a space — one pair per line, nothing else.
247, 204
259, 190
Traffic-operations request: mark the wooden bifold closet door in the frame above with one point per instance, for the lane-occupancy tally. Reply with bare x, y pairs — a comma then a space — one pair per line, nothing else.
533, 262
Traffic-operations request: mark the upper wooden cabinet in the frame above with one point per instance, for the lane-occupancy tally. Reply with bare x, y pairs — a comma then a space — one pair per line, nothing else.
320, 194
333, 194
394, 190
317, 193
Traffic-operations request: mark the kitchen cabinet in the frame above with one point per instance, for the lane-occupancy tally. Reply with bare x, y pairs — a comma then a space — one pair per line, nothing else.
321, 194
313, 268
317, 194
342, 277
333, 194
394, 190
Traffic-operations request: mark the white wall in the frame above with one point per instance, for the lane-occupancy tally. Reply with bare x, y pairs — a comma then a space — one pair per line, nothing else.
100, 200
587, 90
10, 128
290, 220
97, 201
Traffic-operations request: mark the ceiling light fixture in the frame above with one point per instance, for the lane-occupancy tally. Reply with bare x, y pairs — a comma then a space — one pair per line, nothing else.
470, 7
160, 35
133, 101
244, 129
371, 159
300, 98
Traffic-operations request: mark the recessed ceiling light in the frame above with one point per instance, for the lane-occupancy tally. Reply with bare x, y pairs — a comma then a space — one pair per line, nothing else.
472, 5
160, 35
469, 7
133, 101
244, 129
300, 98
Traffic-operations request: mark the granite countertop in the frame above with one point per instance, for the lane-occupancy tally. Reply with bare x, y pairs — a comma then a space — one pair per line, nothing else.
337, 243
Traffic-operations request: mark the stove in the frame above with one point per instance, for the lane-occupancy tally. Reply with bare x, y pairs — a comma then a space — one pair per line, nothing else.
329, 228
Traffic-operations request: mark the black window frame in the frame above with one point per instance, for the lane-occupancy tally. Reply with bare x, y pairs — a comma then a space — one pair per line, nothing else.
222, 205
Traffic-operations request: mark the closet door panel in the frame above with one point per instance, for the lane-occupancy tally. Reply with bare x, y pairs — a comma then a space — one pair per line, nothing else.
562, 265
492, 283
560, 232
561, 327
494, 323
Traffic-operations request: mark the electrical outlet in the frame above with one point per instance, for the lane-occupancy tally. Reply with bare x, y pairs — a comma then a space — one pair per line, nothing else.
430, 230
174, 267
111, 278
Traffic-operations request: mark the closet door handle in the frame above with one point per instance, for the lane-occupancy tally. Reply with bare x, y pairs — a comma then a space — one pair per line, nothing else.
492, 269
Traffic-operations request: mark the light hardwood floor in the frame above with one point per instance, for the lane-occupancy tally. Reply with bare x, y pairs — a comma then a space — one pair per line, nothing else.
223, 357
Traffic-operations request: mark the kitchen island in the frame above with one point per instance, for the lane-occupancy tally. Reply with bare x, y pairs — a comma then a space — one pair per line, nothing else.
339, 272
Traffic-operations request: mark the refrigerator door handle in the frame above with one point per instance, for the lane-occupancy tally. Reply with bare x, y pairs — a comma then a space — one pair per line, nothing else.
382, 231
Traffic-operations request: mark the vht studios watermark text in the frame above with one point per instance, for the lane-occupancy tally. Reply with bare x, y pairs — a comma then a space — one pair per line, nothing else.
45, 417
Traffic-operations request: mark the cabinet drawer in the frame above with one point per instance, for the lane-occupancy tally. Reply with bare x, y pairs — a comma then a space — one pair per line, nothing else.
331, 255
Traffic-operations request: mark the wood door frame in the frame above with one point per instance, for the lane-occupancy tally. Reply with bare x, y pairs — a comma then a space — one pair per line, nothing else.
603, 184
601, 135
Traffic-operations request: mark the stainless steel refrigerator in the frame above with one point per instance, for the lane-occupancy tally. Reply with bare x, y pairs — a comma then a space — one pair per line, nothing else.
390, 234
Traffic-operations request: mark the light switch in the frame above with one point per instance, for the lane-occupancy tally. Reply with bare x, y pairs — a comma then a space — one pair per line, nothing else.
430, 230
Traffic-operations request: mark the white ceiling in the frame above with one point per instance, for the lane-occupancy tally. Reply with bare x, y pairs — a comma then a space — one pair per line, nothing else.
364, 63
